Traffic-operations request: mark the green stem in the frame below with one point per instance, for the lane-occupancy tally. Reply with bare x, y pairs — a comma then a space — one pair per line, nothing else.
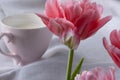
69, 65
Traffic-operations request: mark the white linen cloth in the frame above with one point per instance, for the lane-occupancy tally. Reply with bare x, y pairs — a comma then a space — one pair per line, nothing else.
54, 62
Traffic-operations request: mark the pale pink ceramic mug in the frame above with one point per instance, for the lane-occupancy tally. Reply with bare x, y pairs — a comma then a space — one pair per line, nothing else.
26, 37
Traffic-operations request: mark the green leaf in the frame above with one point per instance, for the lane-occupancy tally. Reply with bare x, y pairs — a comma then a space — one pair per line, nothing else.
77, 69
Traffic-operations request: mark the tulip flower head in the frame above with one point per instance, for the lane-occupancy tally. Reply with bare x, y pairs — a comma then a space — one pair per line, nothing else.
114, 48
97, 73
73, 20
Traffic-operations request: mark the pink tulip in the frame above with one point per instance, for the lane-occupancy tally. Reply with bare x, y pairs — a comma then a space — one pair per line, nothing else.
114, 48
73, 20
97, 74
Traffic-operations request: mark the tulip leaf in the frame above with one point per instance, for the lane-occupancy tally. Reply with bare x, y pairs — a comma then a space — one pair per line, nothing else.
77, 69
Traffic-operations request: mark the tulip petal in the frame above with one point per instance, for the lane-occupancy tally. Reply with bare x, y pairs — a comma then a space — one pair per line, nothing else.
102, 74
83, 75
112, 73
116, 54
90, 76
97, 73
87, 25
78, 11
97, 9
72, 7
90, 26
59, 26
55, 27
113, 52
53, 8
103, 21
77, 77
115, 38
44, 18
100, 9
82, 21
98, 25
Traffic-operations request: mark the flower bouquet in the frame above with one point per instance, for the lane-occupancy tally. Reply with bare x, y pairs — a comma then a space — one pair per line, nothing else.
73, 21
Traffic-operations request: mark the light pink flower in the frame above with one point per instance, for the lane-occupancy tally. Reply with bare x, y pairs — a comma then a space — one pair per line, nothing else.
73, 20
97, 74
114, 48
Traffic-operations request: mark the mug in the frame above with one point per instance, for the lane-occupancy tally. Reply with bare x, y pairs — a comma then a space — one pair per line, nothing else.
25, 36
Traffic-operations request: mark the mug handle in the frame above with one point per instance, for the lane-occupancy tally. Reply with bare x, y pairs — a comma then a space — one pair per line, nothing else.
10, 39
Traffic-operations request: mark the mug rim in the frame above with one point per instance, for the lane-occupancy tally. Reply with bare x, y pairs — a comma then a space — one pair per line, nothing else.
3, 24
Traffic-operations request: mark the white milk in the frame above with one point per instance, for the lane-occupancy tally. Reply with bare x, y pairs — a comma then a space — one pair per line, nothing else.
24, 21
